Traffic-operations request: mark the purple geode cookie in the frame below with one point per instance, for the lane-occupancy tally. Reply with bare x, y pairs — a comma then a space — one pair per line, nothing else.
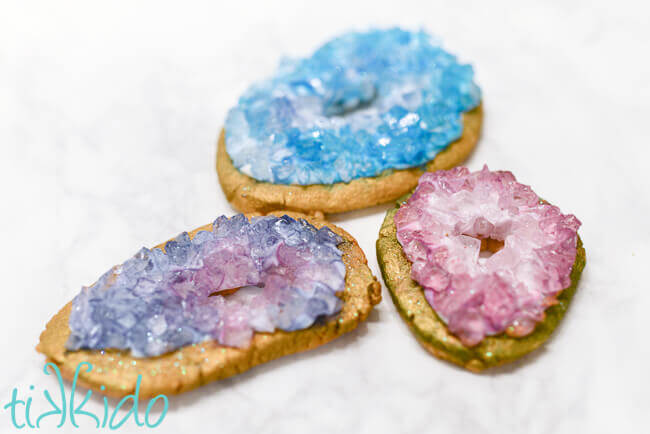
440, 229
285, 272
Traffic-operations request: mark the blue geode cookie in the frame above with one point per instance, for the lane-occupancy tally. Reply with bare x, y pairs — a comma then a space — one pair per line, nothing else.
362, 104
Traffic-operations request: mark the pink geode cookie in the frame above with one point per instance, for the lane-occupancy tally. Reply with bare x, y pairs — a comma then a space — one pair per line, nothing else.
441, 228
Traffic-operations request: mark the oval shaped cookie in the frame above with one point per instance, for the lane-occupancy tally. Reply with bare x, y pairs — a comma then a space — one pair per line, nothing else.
198, 363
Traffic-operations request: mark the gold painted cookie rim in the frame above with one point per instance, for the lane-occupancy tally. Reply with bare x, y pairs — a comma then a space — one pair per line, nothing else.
196, 365
249, 195
432, 333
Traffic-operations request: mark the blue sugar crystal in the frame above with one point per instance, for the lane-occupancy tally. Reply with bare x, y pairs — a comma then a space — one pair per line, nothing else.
362, 104
156, 301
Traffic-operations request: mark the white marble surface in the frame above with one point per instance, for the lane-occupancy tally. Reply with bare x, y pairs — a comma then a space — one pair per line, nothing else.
109, 115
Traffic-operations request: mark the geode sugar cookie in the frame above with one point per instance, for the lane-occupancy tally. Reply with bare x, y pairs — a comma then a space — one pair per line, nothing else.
480, 268
352, 126
213, 303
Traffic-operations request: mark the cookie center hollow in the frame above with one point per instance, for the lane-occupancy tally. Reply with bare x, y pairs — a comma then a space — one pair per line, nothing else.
231, 291
489, 246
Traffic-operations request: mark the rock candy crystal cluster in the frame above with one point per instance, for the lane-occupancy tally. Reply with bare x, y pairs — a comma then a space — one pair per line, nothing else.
363, 103
284, 273
440, 228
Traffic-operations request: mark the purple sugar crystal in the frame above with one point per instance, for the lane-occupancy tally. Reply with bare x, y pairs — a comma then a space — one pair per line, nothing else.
287, 272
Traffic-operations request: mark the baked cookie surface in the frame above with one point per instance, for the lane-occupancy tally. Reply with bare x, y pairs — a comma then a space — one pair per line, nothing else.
115, 373
433, 333
247, 194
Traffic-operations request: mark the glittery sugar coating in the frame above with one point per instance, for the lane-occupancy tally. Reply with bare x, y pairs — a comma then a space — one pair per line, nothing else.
440, 229
287, 272
361, 104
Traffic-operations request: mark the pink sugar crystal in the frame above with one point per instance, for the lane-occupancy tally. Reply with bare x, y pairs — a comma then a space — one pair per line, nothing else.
440, 229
